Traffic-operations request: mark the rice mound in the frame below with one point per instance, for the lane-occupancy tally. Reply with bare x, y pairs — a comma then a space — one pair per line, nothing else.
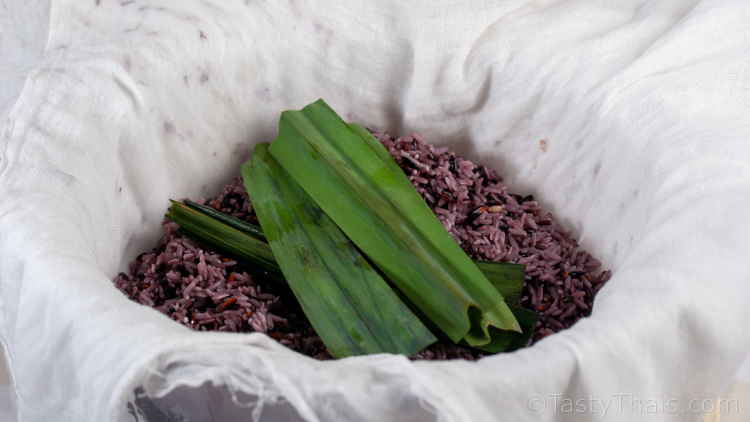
207, 290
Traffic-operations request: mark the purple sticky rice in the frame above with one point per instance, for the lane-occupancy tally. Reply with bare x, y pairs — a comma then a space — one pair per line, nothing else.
206, 290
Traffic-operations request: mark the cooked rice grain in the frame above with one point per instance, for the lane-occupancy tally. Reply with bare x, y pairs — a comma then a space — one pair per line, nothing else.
205, 290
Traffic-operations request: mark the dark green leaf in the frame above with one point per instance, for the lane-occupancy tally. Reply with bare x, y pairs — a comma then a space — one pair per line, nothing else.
235, 222
226, 238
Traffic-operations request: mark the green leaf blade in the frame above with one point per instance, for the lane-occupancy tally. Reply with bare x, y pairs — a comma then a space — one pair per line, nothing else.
351, 307
231, 221
508, 278
216, 233
375, 205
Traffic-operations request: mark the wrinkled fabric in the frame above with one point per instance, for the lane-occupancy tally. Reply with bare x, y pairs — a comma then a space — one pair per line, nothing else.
628, 119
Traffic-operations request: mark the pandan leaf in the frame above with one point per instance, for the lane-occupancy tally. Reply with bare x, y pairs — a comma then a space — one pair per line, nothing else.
227, 238
508, 280
506, 277
232, 221
351, 307
355, 181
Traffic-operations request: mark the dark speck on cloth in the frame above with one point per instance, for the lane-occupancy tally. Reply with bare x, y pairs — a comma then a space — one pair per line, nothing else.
168, 126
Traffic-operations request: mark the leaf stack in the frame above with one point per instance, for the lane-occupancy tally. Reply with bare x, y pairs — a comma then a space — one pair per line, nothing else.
360, 249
